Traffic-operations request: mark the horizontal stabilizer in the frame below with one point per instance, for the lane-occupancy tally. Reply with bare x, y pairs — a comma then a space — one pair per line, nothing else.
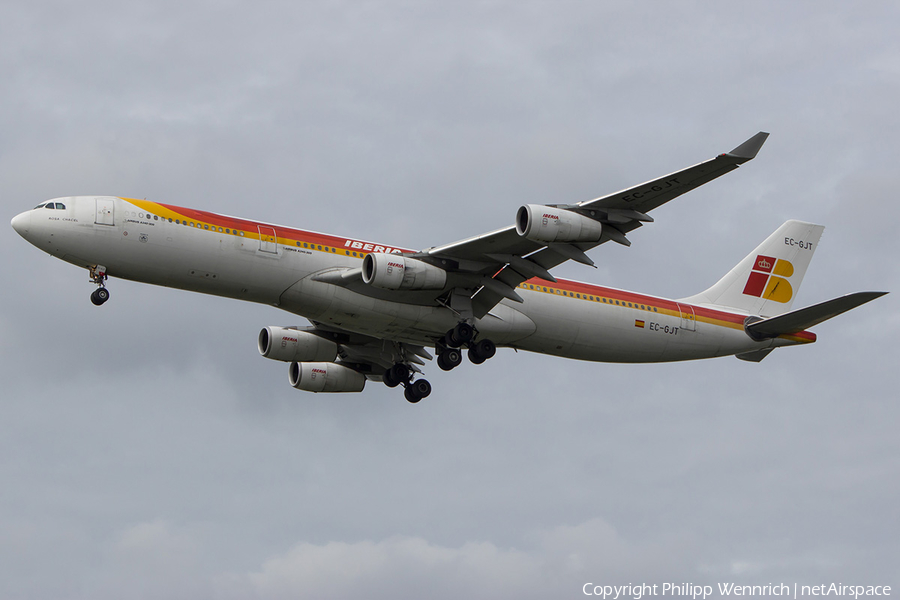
805, 318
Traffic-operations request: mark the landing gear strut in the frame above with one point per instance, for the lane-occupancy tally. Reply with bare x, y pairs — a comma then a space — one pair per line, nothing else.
98, 276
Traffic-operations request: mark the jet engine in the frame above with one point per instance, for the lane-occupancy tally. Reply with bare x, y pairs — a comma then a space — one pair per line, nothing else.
393, 272
325, 377
282, 343
545, 224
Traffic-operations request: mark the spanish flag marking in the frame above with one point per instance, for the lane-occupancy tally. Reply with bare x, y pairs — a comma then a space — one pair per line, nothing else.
638, 323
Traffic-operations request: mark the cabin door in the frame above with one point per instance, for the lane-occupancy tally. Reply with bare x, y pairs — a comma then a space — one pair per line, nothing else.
105, 211
268, 240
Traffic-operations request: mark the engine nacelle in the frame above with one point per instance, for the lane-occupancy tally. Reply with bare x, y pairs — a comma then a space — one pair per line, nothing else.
393, 272
545, 224
325, 377
282, 343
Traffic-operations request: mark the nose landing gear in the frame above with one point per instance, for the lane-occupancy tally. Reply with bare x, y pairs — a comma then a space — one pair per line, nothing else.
99, 277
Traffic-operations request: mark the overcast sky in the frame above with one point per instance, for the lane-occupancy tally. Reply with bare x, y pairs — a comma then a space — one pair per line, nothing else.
148, 451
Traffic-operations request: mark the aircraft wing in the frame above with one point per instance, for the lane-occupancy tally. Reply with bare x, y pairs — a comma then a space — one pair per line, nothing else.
496, 263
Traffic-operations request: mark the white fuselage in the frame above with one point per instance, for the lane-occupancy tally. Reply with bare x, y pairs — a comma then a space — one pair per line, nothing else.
280, 266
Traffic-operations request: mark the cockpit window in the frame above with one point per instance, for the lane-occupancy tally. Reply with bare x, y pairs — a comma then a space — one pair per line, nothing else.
60, 206
49, 205
39, 206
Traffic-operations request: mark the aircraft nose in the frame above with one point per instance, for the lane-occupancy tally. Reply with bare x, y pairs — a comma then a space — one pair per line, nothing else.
21, 222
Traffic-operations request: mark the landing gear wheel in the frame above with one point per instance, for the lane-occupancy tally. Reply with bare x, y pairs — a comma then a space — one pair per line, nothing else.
99, 296
416, 390
410, 396
481, 351
397, 374
460, 335
474, 357
449, 359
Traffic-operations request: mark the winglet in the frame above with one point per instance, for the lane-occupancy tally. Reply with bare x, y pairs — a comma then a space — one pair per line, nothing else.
750, 148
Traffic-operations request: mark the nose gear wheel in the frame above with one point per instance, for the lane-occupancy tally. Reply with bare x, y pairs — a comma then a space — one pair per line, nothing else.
99, 277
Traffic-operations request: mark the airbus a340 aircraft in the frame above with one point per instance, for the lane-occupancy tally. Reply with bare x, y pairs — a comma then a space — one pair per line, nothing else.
374, 308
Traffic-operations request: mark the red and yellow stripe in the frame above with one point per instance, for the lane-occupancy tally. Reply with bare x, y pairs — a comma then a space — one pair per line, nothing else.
208, 221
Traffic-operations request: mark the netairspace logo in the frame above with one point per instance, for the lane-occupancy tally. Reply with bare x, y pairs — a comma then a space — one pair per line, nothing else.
693, 591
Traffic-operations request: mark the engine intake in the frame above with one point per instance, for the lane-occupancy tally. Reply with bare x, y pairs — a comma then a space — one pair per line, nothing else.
393, 272
283, 343
325, 377
545, 224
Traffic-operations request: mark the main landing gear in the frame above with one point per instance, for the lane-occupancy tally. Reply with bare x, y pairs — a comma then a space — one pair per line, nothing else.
98, 276
401, 374
449, 348
449, 356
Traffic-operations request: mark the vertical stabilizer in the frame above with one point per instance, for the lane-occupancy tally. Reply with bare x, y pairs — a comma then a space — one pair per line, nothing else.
767, 280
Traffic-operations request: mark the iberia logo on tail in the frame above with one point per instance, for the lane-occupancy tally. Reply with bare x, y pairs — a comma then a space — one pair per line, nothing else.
768, 279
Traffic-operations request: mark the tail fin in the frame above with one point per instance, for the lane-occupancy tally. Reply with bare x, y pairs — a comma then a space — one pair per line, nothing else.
766, 281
